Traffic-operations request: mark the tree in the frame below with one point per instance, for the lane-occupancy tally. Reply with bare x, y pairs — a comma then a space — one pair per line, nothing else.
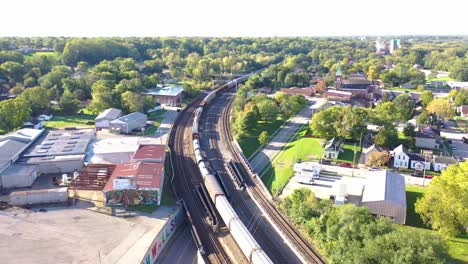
13, 70
461, 98
424, 118
420, 88
250, 120
443, 206
134, 102
68, 103
13, 113
320, 87
441, 107
18, 89
387, 137
378, 159
373, 73
37, 99
302, 205
384, 114
263, 137
354, 122
426, 98
268, 110
404, 106
409, 130
323, 122
405, 246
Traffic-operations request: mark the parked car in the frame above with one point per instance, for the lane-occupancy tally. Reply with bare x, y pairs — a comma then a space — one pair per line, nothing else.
374, 169
326, 162
346, 165
454, 148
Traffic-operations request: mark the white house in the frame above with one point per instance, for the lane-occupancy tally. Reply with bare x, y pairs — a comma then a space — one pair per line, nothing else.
401, 158
332, 148
420, 162
441, 163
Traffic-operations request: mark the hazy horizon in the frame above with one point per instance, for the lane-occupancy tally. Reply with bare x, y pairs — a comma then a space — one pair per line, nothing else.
241, 18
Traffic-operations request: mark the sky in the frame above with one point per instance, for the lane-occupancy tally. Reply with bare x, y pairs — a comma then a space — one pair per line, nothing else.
223, 18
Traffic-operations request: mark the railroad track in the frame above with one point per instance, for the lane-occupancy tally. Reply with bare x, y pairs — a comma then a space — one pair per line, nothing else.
308, 253
185, 178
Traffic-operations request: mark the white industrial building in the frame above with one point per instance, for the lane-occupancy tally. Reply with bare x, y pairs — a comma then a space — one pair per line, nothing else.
11, 147
103, 119
128, 123
384, 194
59, 151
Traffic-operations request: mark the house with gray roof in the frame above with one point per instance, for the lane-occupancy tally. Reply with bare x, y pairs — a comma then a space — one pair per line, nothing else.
442, 162
384, 194
420, 161
103, 119
128, 123
332, 148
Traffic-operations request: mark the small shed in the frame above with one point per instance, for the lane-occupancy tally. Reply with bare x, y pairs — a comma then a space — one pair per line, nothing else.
128, 123
103, 119
384, 194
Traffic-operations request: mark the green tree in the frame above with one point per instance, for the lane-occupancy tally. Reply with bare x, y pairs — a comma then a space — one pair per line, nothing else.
323, 122
68, 103
461, 98
268, 110
302, 205
426, 98
250, 120
420, 88
37, 99
424, 118
263, 137
134, 102
387, 137
443, 206
404, 106
13, 70
384, 114
409, 130
13, 113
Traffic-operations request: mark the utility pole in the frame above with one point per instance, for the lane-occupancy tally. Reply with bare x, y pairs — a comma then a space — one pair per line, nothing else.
354, 158
424, 170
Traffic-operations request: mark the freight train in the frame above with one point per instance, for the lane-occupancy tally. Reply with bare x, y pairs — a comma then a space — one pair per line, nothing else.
240, 233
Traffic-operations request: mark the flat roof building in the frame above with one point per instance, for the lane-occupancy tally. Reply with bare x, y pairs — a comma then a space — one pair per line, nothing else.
116, 150
150, 153
384, 194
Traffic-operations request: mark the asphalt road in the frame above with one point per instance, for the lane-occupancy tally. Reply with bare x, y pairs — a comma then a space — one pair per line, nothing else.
281, 139
181, 248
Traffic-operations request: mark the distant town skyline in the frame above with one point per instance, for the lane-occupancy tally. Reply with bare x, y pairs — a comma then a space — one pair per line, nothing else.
223, 18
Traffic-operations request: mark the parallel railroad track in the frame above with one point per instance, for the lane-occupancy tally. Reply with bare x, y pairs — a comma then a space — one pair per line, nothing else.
185, 178
300, 243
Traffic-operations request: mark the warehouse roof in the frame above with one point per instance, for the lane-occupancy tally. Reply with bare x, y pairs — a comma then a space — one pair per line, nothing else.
24, 135
385, 186
150, 152
133, 117
61, 142
145, 175
172, 90
110, 114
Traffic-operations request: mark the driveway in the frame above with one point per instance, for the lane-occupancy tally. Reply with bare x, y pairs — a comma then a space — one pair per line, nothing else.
163, 130
461, 151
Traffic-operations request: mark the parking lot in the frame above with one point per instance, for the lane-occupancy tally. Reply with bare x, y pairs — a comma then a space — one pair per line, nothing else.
461, 149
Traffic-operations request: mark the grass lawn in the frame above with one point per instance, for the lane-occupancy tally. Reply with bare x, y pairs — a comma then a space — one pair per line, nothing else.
301, 148
458, 247
249, 141
442, 79
157, 117
400, 89
348, 154
402, 139
43, 53
70, 121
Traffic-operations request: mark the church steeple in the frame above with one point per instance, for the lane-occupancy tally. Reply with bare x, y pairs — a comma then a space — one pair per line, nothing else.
339, 77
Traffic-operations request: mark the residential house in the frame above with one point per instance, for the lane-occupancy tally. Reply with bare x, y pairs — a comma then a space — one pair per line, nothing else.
332, 148
401, 157
128, 123
420, 161
103, 119
441, 162
366, 153
463, 110
384, 194
427, 140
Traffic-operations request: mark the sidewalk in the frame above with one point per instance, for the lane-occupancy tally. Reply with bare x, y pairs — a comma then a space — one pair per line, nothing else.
282, 137
163, 130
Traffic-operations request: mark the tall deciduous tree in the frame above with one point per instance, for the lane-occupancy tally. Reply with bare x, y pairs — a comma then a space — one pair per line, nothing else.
263, 137
68, 103
404, 106
268, 110
443, 206
387, 137
36, 98
426, 98
442, 108
378, 159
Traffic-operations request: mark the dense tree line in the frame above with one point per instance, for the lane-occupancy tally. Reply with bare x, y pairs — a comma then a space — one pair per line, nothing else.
350, 234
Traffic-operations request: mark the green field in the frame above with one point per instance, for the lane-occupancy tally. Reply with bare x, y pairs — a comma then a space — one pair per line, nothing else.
300, 149
400, 89
458, 247
402, 139
249, 141
442, 79
348, 154
70, 121
56, 55
157, 117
